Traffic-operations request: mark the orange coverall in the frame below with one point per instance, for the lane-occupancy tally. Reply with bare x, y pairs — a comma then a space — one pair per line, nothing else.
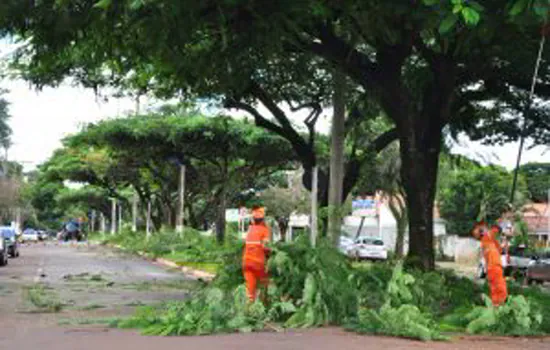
254, 258
495, 275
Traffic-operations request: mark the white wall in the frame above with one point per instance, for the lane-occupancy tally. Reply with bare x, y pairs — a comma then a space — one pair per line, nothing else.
462, 249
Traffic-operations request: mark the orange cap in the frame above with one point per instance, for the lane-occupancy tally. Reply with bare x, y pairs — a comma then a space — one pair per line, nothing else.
258, 213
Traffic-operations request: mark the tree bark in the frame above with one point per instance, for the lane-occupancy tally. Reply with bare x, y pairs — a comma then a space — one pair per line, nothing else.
337, 158
419, 178
220, 217
420, 128
283, 227
399, 212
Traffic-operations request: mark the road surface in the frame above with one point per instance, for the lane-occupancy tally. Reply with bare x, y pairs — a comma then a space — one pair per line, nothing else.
95, 283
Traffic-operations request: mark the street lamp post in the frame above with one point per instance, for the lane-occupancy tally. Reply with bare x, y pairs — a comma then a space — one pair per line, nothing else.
113, 216
181, 193
134, 212
148, 220
181, 201
119, 218
314, 188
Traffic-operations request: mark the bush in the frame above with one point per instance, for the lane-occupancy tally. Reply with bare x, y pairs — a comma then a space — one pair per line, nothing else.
315, 287
210, 311
398, 316
438, 292
317, 281
516, 317
190, 246
539, 300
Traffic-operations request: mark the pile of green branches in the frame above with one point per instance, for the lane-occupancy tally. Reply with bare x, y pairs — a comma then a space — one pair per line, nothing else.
312, 287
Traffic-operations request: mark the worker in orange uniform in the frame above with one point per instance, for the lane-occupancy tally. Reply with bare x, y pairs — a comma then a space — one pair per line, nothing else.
491, 250
255, 252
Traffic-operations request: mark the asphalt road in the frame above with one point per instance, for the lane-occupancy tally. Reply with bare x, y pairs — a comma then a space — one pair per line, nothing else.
94, 283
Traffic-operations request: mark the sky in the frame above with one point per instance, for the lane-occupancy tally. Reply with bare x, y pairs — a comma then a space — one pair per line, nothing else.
41, 119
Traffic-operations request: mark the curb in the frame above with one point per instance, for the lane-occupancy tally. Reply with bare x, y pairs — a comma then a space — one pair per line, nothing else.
198, 274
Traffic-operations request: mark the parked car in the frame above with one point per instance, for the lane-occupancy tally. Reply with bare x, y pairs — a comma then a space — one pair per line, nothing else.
369, 248
42, 235
30, 235
538, 270
9, 235
3, 251
520, 258
345, 245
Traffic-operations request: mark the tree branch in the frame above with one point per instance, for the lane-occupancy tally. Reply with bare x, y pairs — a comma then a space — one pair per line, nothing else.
259, 120
355, 63
354, 166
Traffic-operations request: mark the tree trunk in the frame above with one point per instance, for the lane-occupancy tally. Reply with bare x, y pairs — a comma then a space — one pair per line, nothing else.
419, 125
337, 158
283, 227
220, 217
400, 240
398, 209
193, 222
419, 176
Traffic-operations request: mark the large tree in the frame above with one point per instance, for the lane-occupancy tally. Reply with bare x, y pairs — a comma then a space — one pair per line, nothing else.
425, 63
223, 157
474, 192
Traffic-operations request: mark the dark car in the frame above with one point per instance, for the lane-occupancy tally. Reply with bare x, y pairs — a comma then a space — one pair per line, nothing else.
538, 270
10, 236
3, 250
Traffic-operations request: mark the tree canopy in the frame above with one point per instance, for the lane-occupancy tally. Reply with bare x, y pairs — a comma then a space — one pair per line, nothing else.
473, 193
537, 176
426, 64
223, 157
5, 130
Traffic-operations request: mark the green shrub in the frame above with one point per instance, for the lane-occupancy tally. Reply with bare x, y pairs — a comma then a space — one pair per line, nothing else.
210, 311
398, 316
313, 287
516, 317
318, 281
539, 300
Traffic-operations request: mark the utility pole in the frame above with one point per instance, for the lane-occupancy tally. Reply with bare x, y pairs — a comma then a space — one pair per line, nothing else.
526, 112
314, 181
103, 223
18, 220
92, 221
120, 218
148, 220
181, 201
113, 216
134, 212
338, 136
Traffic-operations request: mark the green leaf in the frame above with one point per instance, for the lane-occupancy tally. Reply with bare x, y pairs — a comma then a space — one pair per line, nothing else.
519, 7
447, 24
136, 4
476, 6
430, 2
103, 4
457, 8
471, 16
